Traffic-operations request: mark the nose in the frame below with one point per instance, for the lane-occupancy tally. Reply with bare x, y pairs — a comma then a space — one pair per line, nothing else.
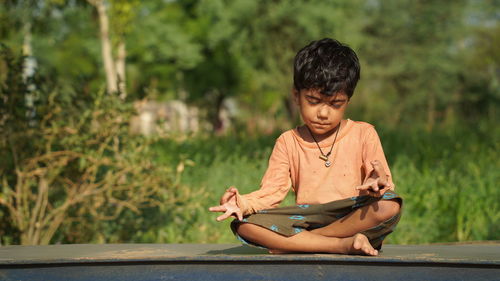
323, 111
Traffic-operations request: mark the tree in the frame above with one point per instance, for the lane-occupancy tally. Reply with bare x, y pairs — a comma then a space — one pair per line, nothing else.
106, 49
123, 14
418, 56
251, 46
75, 168
161, 48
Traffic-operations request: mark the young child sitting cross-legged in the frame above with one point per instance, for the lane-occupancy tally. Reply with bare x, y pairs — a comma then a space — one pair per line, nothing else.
337, 168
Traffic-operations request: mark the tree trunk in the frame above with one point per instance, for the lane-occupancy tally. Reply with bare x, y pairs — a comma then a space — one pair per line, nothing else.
107, 56
120, 69
218, 122
29, 69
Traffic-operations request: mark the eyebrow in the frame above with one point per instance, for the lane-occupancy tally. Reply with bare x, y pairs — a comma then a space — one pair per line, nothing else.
334, 100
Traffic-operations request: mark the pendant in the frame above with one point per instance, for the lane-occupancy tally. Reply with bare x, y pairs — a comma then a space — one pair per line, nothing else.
328, 163
323, 157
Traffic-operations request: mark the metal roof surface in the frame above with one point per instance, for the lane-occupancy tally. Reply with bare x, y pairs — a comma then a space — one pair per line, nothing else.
487, 254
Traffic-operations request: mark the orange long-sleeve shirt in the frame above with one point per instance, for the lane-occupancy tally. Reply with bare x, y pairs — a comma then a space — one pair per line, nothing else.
295, 163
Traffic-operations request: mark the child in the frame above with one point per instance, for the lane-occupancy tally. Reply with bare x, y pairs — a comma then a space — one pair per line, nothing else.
337, 168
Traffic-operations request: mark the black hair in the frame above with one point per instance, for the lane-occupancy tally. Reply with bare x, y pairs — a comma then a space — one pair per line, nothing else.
328, 66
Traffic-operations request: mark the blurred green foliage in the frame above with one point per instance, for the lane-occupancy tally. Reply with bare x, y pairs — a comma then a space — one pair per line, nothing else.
447, 178
422, 61
72, 173
430, 82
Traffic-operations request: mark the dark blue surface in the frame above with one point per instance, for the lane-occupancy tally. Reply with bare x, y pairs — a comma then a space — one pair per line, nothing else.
233, 262
249, 271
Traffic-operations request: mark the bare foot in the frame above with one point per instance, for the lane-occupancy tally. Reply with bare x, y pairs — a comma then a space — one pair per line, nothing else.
361, 245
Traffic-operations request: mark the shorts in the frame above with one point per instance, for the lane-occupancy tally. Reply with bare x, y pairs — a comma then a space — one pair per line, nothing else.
291, 220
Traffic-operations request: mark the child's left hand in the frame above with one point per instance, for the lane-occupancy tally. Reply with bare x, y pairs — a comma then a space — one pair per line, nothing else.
377, 184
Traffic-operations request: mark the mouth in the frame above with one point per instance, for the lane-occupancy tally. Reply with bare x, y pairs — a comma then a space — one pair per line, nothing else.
320, 124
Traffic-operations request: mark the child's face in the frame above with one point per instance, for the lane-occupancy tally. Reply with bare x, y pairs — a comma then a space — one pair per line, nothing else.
321, 113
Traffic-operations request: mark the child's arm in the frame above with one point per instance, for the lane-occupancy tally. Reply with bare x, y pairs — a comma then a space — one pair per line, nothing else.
275, 183
378, 177
274, 186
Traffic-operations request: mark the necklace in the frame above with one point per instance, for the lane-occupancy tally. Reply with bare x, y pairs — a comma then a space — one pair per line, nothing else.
323, 156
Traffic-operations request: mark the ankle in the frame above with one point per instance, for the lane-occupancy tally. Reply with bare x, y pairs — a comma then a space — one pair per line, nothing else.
341, 245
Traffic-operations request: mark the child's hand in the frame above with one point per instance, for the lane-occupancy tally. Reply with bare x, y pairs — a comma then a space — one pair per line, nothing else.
377, 184
228, 205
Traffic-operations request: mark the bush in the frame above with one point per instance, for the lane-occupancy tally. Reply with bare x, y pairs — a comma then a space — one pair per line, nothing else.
71, 171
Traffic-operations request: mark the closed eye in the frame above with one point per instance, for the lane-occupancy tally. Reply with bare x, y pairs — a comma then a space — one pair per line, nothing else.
337, 104
312, 100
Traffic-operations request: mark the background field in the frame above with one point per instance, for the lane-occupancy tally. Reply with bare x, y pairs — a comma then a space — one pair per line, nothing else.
448, 180
77, 75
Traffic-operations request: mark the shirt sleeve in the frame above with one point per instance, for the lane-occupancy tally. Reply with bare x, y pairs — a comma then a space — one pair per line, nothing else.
372, 150
274, 185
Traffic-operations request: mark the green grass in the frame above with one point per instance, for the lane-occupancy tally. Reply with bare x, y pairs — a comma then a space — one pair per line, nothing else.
448, 179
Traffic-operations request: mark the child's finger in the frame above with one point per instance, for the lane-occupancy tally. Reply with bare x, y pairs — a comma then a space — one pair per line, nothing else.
363, 187
224, 216
225, 197
385, 188
376, 194
380, 193
231, 191
377, 166
217, 209
367, 186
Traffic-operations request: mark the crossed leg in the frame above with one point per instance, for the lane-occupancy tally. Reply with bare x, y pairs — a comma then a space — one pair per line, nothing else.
341, 236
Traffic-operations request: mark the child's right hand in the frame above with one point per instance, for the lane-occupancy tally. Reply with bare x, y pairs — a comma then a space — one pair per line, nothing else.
228, 205
378, 182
